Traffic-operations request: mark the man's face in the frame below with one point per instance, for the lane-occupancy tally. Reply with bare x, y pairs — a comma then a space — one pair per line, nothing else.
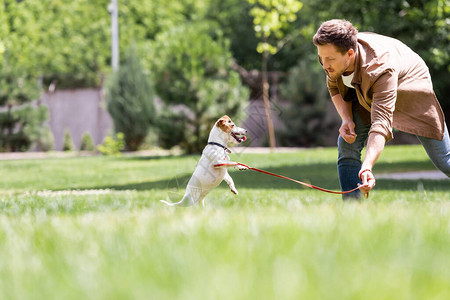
334, 62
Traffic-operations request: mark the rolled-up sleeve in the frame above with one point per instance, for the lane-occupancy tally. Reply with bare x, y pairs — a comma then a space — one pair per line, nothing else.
383, 104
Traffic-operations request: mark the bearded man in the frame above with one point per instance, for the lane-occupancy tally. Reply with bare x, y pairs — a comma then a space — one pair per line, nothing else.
377, 83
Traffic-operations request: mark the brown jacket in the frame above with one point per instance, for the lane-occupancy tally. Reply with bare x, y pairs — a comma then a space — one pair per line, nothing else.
394, 85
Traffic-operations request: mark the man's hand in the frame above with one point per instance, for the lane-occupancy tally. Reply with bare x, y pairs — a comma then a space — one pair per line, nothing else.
368, 181
347, 131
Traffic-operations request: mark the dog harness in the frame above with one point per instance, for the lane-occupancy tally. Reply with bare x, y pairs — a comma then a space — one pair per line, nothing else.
221, 146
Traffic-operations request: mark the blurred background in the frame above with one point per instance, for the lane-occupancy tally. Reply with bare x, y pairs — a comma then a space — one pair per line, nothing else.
135, 74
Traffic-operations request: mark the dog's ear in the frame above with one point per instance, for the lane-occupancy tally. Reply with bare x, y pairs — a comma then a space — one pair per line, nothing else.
221, 123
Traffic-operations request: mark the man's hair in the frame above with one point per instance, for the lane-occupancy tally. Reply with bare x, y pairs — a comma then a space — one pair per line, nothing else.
339, 33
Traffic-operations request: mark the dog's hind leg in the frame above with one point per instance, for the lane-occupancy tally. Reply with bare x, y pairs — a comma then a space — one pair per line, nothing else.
202, 201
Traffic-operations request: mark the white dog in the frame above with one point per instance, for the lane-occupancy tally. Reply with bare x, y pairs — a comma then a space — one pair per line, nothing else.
206, 176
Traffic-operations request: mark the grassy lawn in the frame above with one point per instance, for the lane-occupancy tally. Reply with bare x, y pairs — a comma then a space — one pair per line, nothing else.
93, 228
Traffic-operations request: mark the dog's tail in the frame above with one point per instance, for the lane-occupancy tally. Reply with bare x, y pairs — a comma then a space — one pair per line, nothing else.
169, 203
182, 203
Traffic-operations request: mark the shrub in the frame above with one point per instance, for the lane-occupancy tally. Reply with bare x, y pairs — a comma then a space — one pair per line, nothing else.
305, 118
20, 121
194, 68
68, 143
112, 145
87, 144
129, 98
172, 130
46, 140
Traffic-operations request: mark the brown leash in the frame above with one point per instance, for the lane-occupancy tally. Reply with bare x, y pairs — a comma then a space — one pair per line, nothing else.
284, 177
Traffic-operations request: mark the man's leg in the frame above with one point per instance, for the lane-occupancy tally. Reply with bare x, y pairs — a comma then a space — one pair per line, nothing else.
438, 151
349, 160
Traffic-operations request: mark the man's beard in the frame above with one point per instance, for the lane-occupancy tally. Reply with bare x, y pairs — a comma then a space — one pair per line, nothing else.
335, 75
338, 74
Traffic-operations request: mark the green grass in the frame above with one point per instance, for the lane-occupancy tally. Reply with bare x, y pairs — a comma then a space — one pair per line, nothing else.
93, 228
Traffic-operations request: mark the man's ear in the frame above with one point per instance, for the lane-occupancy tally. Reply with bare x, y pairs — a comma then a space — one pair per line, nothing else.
351, 52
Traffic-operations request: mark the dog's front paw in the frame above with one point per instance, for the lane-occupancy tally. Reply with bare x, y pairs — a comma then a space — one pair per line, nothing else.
241, 167
233, 190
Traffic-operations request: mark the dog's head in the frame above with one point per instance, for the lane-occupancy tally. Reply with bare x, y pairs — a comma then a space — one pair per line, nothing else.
234, 133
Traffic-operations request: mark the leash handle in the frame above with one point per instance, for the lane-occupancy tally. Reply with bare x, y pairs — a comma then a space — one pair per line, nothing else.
287, 178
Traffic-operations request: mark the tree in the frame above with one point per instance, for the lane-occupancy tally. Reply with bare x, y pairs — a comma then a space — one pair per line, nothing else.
68, 142
87, 144
20, 122
63, 42
271, 18
194, 69
129, 99
306, 117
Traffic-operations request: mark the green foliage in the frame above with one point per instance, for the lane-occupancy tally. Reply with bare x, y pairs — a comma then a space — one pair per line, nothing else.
305, 118
194, 69
112, 145
87, 144
69, 41
271, 19
68, 142
16, 86
46, 141
34, 118
20, 122
234, 20
66, 42
172, 129
21, 127
130, 101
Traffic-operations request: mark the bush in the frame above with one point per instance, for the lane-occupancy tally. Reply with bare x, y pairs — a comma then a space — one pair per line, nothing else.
112, 145
305, 118
194, 69
20, 121
87, 144
46, 140
129, 98
68, 143
172, 130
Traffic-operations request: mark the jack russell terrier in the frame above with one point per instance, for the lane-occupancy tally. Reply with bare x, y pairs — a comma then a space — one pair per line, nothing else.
206, 176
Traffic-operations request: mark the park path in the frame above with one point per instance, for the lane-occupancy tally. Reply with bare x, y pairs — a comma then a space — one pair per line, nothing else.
437, 175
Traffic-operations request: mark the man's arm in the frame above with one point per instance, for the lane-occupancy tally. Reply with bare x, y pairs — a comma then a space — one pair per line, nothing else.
383, 106
344, 109
375, 145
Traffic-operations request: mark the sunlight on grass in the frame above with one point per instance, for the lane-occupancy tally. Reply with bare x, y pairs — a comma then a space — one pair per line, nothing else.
93, 228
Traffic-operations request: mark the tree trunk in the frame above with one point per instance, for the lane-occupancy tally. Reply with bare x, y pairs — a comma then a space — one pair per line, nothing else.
265, 85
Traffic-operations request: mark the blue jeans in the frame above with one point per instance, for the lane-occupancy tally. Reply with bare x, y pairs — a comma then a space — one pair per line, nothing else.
349, 159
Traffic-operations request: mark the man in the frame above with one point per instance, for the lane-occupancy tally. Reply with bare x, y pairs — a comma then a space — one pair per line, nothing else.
377, 83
